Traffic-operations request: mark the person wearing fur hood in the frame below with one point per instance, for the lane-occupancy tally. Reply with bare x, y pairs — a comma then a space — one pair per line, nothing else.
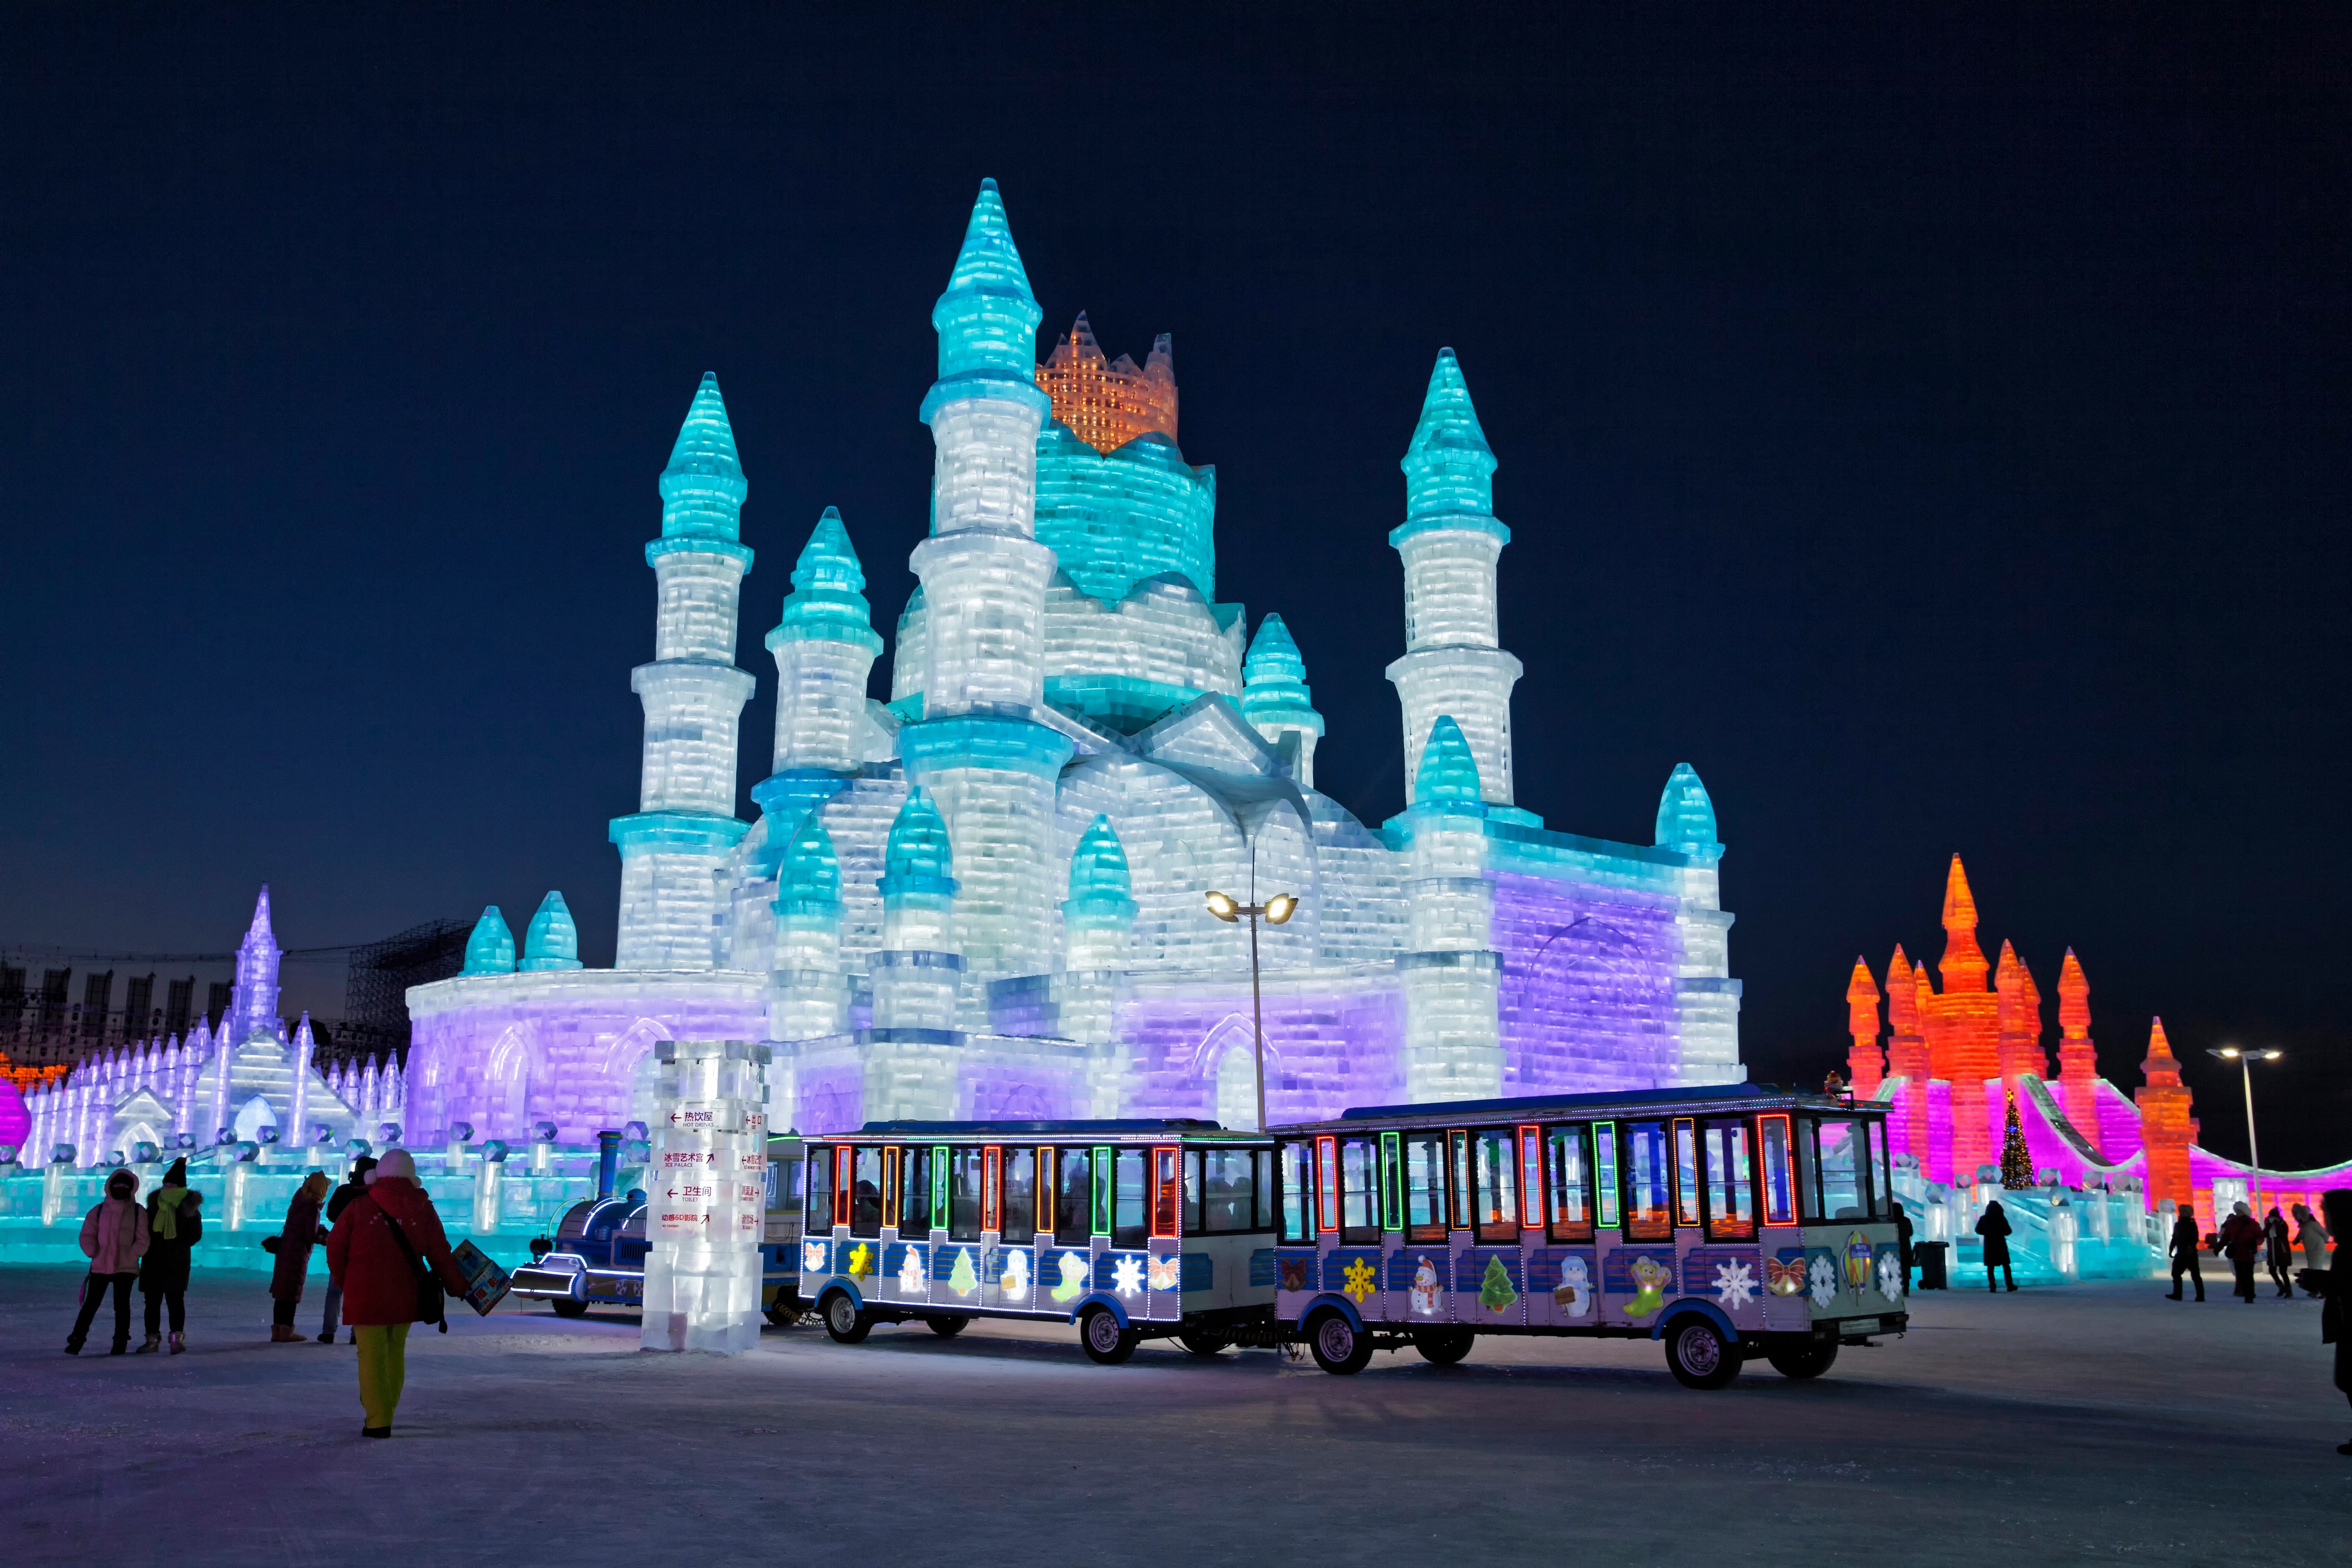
114, 1238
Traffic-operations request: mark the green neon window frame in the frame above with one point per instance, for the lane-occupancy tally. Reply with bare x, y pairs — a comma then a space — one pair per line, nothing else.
939, 1187
1604, 1174
1102, 1177
1391, 1171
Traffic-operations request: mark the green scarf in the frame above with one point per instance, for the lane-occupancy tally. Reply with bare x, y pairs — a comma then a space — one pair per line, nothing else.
166, 1223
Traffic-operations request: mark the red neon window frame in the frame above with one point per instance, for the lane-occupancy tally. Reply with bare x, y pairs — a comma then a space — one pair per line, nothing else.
1531, 1178
991, 1188
1326, 1184
1167, 1219
844, 1177
1780, 1184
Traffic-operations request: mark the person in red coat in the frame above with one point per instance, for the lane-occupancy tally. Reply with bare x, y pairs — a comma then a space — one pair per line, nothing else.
2240, 1239
368, 1261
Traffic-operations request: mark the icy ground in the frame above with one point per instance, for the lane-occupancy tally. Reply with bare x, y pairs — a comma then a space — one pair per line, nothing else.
2089, 1424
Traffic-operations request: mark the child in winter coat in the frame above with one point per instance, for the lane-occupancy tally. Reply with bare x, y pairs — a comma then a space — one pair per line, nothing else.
175, 1223
114, 1239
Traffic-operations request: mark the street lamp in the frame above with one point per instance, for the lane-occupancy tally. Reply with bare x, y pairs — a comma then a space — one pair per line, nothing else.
1274, 910
2245, 1060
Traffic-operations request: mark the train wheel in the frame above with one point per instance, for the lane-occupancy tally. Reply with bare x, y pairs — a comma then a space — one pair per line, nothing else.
1339, 1348
1444, 1347
1105, 1342
1203, 1342
948, 1327
565, 1307
1698, 1356
1804, 1360
843, 1320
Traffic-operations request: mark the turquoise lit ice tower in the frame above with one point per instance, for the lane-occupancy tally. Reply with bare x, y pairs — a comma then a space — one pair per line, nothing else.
685, 824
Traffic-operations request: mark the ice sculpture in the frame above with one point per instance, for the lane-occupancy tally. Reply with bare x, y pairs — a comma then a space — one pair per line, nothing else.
705, 1201
1275, 698
809, 996
918, 972
1865, 1067
490, 949
1452, 1046
1454, 664
693, 697
553, 940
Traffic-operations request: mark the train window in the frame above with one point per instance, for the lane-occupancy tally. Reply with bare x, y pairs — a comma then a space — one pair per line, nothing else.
1882, 1182
1606, 1191
1129, 1193
1730, 1183
1685, 1172
1164, 1192
1020, 1196
1780, 1173
1647, 1217
914, 1214
1457, 1186
1327, 1184
992, 1189
1262, 1163
1225, 1197
865, 1192
1838, 1189
1074, 1208
1360, 1191
1191, 1191
1424, 1186
1392, 1181
1570, 1168
1295, 1218
820, 1190
963, 1194
1497, 1186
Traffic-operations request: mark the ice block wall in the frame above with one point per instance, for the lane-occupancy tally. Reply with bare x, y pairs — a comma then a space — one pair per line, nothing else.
705, 1201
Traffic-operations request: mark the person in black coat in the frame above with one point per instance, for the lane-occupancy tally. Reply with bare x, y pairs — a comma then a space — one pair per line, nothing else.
175, 1223
353, 1185
2335, 1283
2240, 1239
1994, 1228
2278, 1251
1903, 1244
2185, 1244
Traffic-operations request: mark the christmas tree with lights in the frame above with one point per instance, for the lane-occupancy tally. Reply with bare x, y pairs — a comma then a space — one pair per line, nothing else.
2016, 1158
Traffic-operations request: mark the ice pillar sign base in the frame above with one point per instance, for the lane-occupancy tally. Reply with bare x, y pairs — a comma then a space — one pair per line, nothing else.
707, 1198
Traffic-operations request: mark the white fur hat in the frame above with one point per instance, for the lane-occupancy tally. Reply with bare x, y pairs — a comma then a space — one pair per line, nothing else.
392, 1162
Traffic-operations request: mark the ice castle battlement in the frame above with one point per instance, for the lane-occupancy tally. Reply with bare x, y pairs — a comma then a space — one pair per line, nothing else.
985, 896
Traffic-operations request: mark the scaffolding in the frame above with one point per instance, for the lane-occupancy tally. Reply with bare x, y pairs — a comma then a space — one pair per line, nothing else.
375, 1004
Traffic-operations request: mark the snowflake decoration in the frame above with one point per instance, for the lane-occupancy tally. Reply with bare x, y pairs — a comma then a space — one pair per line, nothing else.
861, 1261
1126, 1276
1165, 1271
911, 1275
1735, 1285
1825, 1282
1890, 1277
1359, 1276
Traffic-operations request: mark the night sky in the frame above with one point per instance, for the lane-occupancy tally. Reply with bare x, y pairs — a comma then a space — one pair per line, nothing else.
1931, 427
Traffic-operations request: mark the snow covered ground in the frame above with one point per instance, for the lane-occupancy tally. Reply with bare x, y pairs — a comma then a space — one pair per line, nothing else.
2088, 1423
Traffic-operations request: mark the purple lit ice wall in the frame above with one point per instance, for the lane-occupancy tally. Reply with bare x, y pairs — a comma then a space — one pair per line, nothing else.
1587, 991
1327, 1047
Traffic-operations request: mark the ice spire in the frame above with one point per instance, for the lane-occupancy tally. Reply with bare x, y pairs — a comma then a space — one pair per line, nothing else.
987, 320
703, 487
1687, 815
553, 940
824, 646
1275, 698
807, 995
1866, 1065
2019, 1011
490, 949
253, 1003
1447, 772
297, 1109
2167, 1129
1963, 966
918, 973
1101, 890
2078, 1059
1450, 541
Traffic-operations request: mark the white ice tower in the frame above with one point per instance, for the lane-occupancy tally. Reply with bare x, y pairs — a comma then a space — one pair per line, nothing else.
1453, 1039
693, 695
1454, 664
981, 748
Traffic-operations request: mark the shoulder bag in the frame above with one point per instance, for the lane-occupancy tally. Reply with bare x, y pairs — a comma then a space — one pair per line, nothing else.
428, 1283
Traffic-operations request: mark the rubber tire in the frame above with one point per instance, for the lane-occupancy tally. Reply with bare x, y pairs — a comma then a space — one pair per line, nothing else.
948, 1327
1203, 1342
1698, 1356
1441, 1347
1803, 1360
843, 1320
565, 1307
1106, 1343
1339, 1347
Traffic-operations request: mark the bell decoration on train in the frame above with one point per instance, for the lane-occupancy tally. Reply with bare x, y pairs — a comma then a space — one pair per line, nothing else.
1167, 1272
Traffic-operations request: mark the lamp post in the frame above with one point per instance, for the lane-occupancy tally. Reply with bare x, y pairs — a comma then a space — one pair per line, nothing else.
2245, 1060
1274, 912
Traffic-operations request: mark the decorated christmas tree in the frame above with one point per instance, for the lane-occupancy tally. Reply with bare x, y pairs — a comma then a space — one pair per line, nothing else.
1495, 1291
962, 1278
2016, 1158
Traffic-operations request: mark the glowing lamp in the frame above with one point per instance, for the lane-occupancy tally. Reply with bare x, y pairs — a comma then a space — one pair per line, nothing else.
1224, 908
1279, 907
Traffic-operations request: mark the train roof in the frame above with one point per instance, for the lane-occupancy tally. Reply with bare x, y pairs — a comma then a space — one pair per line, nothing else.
1612, 1100
1158, 1126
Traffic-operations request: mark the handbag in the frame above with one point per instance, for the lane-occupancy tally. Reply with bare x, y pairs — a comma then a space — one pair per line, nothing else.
428, 1283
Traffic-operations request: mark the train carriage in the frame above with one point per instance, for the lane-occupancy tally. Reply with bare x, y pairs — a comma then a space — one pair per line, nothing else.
1728, 1221
1130, 1229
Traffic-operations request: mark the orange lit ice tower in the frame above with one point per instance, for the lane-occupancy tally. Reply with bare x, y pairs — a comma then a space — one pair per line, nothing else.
1906, 1049
2166, 1128
1864, 1067
1963, 1028
980, 747
693, 696
2078, 1059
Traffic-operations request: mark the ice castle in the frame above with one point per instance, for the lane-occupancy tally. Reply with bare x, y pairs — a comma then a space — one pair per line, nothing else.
985, 896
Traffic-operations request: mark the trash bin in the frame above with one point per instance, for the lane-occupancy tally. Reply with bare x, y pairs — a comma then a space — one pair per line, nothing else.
1929, 1255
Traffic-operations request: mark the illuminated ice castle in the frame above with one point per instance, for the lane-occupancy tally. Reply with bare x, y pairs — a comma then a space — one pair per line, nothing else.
985, 898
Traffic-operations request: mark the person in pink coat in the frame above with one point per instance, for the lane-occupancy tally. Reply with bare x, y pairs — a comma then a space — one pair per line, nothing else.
114, 1239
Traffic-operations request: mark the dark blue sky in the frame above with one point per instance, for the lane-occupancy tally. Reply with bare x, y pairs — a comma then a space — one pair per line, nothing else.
1930, 426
